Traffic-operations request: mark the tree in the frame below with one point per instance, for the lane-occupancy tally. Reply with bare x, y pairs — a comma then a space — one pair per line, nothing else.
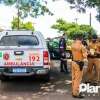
33, 8
72, 28
26, 8
27, 25
81, 5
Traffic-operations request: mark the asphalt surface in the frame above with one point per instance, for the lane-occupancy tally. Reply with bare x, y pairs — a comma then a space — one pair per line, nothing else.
59, 88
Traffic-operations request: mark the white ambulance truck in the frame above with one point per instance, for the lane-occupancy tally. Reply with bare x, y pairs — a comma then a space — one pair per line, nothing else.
23, 53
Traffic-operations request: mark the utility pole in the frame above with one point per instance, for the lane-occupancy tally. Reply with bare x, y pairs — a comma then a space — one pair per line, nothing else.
90, 19
18, 14
90, 23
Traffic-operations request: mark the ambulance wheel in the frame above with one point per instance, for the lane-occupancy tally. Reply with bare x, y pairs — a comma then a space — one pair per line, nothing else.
4, 78
46, 77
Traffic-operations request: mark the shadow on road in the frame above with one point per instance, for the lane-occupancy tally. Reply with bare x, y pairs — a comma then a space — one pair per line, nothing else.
57, 83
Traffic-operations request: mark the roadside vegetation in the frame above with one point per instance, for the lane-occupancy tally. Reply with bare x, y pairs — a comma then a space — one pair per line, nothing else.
22, 25
71, 29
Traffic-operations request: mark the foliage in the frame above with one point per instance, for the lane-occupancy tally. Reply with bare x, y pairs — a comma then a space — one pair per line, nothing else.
71, 28
81, 5
27, 25
33, 8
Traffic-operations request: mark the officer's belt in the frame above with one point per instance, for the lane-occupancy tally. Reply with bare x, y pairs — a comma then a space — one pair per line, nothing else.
80, 63
96, 56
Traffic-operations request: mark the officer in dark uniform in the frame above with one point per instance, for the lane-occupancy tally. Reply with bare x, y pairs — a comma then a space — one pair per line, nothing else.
62, 49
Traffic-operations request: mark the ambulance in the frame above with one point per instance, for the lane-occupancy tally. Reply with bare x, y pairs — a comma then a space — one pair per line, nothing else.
23, 53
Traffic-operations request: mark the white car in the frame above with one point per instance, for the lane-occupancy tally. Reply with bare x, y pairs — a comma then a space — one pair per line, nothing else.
23, 53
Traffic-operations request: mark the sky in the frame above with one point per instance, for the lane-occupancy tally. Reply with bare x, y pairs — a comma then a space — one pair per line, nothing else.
43, 23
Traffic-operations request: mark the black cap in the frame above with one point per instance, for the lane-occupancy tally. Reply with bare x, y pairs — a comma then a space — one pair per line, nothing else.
77, 36
94, 36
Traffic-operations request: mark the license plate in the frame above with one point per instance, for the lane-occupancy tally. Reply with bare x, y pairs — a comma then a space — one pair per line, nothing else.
19, 70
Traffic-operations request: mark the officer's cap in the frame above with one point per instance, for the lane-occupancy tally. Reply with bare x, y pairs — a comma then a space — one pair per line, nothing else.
94, 37
78, 37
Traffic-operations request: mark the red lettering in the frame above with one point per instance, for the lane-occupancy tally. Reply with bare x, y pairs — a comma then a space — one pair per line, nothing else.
34, 58
18, 63
37, 58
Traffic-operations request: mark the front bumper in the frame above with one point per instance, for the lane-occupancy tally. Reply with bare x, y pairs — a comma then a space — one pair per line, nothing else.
30, 71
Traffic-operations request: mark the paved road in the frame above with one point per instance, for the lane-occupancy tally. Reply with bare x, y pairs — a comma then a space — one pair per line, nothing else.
59, 88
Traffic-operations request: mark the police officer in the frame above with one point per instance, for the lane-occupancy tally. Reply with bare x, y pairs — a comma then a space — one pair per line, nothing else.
93, 60
98, 60
62, 49
84, 42
79, 53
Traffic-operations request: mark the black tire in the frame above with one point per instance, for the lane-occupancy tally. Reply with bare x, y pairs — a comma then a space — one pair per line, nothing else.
4, 78
46, 78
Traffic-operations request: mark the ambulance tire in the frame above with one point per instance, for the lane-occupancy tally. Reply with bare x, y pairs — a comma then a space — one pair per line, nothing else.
4, 78
46, 78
